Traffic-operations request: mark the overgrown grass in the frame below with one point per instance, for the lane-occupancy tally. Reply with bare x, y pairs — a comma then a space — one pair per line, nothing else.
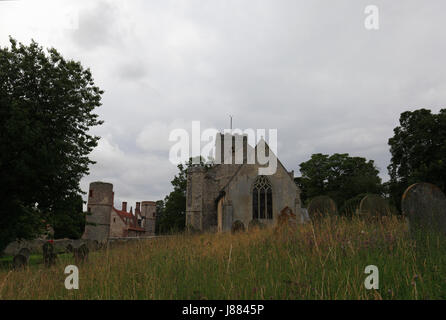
325, 260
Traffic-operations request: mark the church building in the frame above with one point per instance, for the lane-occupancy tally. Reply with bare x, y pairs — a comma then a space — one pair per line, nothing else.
233, 191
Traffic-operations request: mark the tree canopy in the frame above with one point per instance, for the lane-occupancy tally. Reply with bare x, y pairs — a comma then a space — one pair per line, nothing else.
46, 111
418, 149
172, 216
338, 176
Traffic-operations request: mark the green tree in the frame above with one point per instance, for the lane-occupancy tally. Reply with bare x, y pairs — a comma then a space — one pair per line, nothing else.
46, 111
339, 176
418, 151
158, 213
173, 209
69, 219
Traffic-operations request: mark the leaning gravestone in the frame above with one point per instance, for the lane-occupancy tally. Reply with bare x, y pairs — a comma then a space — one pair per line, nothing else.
255, 224
69, 248
237, 226
424, 204
80, 253
25, 251
21, 259
321, 206
49, 256
373, 205
305, 215
286, 219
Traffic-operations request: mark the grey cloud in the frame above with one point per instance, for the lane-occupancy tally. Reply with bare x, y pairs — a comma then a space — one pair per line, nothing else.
97, 26
307, 68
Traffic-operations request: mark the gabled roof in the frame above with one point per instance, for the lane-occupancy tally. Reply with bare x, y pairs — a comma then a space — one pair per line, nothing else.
123, 214
254, 150
278, 160
128, 215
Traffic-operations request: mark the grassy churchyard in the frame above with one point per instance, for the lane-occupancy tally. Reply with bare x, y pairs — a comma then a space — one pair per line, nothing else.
321, 260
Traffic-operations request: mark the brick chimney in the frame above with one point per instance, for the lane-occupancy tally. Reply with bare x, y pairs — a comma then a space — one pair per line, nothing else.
138, 208
124, 206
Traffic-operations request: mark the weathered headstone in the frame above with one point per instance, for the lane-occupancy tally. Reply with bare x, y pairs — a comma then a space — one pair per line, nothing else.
305, 215
255, 224
49, 255
20, 260
373, 205
69, 248
93, 245
424, 204
321, 206
25, 251
81, 253
286, 219
237, 226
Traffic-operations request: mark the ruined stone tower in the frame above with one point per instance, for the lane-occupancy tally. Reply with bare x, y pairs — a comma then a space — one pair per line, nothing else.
99, 205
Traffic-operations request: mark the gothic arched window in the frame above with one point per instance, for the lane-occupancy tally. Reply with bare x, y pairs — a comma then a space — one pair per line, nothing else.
262, 199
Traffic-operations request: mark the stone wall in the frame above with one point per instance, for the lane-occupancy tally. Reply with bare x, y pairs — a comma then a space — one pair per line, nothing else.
117, 226
148, 211
238, 200
232, 184
35, 246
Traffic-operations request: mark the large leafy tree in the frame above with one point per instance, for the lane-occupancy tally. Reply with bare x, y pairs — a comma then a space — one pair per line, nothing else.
69, 219
418, 149
339, 176
173, 209
46, 111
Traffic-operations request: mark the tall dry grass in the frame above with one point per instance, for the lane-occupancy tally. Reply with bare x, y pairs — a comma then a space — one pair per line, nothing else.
324, 260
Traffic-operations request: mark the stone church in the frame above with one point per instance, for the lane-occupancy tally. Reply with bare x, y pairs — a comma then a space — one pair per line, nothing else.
225, 193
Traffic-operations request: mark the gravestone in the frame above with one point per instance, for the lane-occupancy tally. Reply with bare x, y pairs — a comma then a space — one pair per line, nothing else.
321, 206
80, 253
305, 215
93, 245
69, 248
373, 205
49, 256
237, 226
21, 259
286, 219
424, 204
255, 224
25, 251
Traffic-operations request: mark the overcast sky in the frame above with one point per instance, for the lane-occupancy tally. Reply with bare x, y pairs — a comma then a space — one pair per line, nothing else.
309, 69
